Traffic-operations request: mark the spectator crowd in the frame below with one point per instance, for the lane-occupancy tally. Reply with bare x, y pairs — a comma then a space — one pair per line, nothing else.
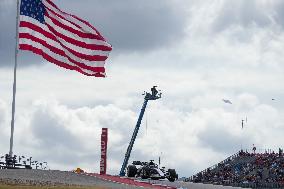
246, 169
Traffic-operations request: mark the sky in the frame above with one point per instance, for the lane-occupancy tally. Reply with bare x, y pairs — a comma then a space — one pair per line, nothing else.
197, 53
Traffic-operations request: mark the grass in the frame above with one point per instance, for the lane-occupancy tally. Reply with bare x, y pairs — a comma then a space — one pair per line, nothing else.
5, 186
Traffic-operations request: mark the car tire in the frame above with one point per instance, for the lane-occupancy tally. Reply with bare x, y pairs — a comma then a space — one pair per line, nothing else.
131, 171
172, 175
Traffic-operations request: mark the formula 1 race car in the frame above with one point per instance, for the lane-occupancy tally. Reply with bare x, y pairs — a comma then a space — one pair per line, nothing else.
150, 170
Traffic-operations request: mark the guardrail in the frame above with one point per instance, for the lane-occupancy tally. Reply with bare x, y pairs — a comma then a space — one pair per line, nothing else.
257, 185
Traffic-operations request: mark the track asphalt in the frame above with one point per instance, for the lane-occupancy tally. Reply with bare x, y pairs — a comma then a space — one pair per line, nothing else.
129, 181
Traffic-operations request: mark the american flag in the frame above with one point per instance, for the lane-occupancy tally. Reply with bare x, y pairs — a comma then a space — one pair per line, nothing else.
62, 38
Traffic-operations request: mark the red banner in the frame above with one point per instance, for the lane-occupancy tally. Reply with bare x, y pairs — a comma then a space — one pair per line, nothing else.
103, 163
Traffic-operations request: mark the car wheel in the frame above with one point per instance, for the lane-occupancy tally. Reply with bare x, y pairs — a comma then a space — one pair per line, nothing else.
172, 175
131, 171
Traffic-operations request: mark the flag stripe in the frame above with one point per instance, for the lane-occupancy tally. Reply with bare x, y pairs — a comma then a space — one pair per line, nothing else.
72, 38
74, 18
65, 59
70, 29
59, 63
76, 40
58, 43
28, 23
71, 18
63, 20
96, 56
83, 56
73, 35
29, 39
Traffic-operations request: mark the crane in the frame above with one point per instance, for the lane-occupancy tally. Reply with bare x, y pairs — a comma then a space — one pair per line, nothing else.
154, 95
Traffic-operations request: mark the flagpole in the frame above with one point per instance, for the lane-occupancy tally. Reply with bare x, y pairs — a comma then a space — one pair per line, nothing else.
15, 79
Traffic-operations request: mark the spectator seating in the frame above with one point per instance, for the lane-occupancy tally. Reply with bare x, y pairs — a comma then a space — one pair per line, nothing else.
244, 169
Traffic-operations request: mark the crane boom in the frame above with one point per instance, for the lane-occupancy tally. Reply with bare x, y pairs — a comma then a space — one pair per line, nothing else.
154, 95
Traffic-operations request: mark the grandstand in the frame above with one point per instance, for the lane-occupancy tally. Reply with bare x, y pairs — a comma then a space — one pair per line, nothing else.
247, 170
